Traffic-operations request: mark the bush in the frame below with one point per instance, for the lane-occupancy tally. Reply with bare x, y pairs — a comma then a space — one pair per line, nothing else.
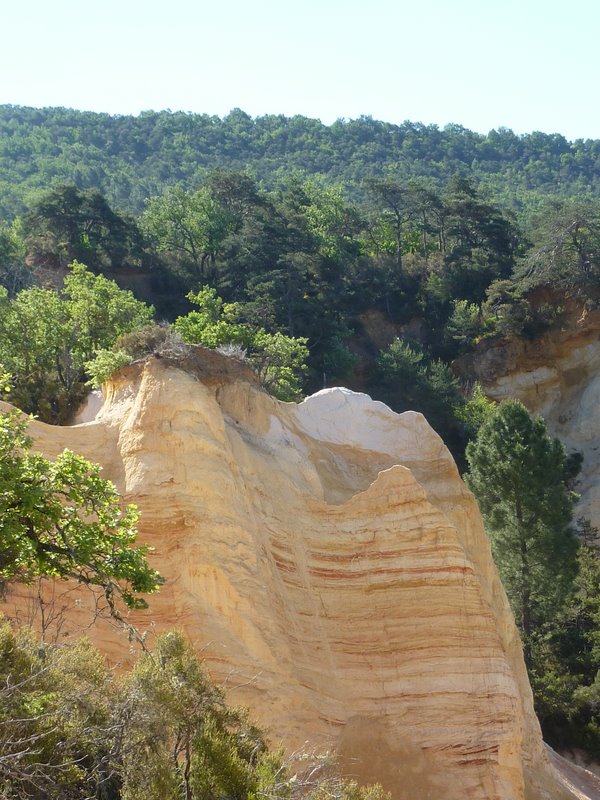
70, 728
278, 360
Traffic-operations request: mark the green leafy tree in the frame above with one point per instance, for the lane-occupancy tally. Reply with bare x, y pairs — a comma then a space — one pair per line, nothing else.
522, 479
475, 410
61, 519
34, 347
55, 712
214, 323
70, 729
395, 199
68, 223
47, 337
407, 380
279, 360
506, 311
565, 677
464, 325
5, 381
99, 312
332, 222
193, 225
14, 273
566, 246
104, 364
481, 241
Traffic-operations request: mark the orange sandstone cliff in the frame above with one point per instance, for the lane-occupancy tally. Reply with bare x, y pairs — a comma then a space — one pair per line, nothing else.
331, 567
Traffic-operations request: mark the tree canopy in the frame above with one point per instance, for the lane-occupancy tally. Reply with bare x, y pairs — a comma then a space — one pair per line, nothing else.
47, 336
61, 519
71, 728
523, 480
278, 360
129, 159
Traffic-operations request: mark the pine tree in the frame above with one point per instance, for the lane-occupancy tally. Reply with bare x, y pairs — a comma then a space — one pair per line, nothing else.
522, 479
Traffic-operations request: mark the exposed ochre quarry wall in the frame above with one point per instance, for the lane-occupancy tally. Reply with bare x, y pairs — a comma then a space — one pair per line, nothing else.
557, 376
331, 567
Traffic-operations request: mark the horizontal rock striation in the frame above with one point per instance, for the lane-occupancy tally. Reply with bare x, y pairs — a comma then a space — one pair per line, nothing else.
558, 377
331, 567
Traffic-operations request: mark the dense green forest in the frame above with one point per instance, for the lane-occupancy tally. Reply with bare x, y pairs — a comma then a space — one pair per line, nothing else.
361, 253
129, 159
382, 293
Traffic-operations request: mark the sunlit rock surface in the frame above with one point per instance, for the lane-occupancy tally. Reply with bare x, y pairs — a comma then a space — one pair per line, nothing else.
557, 376
332, 569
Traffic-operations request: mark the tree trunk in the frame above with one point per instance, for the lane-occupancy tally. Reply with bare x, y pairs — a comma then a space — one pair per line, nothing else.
399, 245
525, 587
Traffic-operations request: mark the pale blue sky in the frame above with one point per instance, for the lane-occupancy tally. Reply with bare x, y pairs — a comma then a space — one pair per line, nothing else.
527, 65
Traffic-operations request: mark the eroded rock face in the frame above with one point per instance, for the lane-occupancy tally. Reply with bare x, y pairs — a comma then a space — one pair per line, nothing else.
558, 377
332, 569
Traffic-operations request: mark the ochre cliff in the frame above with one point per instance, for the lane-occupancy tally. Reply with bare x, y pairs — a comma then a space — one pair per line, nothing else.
557, 376
331, 567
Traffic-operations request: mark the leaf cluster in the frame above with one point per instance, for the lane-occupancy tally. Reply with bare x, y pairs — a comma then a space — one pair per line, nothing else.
61, 519
278, 360
48, 336
69, 728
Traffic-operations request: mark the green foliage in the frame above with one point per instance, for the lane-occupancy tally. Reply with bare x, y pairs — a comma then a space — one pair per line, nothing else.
67, 224
99, 311
5, 381
47, 337
522, 479
215, 323
464, 325
70, 729
566, 246
506, 310
191, 224
104, 364
131, 158
35, 336
475, 411
14, 273
61, 519
54, 708
305, 262
331, 221
565, 676
158, 340
409, 381
278, 360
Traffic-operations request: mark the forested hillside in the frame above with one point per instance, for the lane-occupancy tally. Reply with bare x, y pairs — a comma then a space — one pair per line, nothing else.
131, 158
382, 294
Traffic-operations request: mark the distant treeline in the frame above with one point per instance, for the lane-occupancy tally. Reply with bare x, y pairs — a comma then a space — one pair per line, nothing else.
130, 158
